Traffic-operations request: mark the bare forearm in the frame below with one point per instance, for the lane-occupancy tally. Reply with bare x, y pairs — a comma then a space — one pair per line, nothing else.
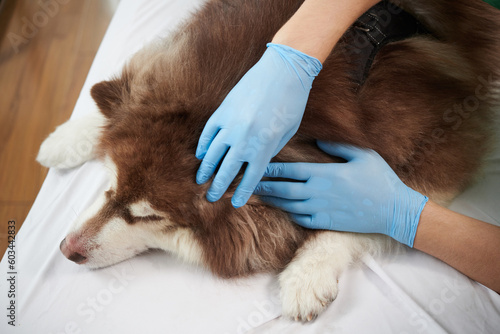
469, 245
318, 25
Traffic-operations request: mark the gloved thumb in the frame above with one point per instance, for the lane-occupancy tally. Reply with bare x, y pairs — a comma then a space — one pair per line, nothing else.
344, 151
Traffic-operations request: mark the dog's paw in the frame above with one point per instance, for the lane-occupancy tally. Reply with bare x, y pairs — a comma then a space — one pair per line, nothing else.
72, 143
307, 289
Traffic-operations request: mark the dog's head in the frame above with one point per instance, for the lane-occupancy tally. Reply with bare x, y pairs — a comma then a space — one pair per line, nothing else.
154, 113
148, 149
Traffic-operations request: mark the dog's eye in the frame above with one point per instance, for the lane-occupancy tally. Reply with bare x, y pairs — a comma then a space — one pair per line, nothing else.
147, 218
131, 219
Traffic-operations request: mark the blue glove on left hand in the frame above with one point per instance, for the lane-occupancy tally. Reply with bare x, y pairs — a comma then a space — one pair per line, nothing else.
362, 195
257, 118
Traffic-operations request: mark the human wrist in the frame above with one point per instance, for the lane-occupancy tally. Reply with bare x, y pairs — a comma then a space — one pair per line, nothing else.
317, 48
302, 62
406, 216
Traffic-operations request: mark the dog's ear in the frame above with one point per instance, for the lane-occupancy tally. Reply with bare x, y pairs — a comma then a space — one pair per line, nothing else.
109, 95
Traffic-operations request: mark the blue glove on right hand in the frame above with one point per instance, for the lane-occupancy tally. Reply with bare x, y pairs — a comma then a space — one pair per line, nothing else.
362, 195
257, 118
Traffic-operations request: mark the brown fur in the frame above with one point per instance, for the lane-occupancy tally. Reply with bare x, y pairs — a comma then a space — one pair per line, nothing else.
406, 110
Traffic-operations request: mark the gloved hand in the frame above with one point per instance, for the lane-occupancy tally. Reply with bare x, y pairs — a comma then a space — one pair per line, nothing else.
362, 195
256, 119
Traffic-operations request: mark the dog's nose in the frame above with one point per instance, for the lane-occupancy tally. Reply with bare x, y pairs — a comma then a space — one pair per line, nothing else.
76, 257
71, 254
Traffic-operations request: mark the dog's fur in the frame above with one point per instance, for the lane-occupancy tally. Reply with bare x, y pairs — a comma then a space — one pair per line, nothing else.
414, 109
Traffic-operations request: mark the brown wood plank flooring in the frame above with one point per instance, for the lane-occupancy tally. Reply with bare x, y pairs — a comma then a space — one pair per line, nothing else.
45, 55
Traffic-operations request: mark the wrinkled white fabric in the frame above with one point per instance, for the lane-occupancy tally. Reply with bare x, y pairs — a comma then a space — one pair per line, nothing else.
155, 293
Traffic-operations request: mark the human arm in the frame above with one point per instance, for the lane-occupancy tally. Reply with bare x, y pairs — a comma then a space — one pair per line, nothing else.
469, 245
264, 110
319, 24
364, 195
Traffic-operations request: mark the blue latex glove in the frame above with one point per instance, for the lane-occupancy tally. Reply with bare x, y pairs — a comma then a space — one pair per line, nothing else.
257, 118
362, 195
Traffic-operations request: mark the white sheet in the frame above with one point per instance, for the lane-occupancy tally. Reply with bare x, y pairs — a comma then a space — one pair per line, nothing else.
155, 293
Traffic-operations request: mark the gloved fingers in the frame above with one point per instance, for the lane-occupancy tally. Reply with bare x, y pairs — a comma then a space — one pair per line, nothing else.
345, 151
302, 220
225, 175
292, 206
251, 177
317, 221
207, 136
211, 159
287, 190
291, 170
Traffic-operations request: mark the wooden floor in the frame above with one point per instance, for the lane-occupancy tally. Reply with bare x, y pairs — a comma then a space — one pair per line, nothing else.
45, 54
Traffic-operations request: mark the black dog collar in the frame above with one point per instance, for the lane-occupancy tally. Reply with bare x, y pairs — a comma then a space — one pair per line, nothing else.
381, 24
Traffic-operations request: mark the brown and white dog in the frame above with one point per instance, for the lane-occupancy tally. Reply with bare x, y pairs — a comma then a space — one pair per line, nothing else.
425, 106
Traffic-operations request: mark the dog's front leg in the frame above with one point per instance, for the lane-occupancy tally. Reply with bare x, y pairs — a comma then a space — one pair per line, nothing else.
310, 282
72, 143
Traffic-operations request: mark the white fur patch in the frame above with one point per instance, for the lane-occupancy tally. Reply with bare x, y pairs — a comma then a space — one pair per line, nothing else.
310, 282
117, 240
182, 243
143, 209
72, 143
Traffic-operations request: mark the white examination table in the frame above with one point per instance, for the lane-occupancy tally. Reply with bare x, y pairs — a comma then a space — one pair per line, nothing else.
155, 293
